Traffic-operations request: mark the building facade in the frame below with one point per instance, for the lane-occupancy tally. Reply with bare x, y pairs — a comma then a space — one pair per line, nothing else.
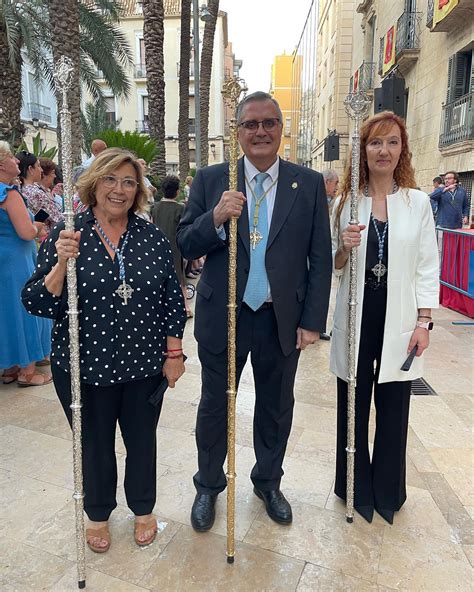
422, 53
39, 109
132, 114
333, 66
285, 83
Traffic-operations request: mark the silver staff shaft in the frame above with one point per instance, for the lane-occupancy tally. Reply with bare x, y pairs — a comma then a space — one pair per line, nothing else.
356, 107
63, 73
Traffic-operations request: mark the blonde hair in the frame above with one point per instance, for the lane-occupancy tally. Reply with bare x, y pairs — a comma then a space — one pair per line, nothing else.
4, 150
107, 162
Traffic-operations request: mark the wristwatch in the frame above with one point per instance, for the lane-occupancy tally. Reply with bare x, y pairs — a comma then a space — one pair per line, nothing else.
427, 326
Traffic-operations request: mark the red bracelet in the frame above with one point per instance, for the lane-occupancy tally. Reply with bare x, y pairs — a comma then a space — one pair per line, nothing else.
175, 350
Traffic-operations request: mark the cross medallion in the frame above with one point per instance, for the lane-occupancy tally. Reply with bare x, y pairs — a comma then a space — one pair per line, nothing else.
124, 291
255, 238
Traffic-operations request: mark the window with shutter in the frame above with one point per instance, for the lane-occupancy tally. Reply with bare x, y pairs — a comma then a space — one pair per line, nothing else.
459, 76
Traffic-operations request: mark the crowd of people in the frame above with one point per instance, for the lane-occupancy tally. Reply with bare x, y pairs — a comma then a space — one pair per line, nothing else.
294, 233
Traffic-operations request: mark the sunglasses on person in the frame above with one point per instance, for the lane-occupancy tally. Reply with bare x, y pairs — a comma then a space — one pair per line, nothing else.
267, 124
110, 182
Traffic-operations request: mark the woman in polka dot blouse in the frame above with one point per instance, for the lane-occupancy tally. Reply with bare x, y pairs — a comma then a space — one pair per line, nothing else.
131, 321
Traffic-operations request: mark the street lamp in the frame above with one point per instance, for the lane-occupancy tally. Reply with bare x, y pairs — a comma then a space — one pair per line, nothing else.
205, 16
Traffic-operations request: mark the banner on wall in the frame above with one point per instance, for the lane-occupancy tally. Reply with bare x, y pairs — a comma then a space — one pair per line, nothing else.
355, 87
389, 50
442, 8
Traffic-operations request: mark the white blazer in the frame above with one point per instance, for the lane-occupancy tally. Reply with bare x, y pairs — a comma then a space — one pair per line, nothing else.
412, 281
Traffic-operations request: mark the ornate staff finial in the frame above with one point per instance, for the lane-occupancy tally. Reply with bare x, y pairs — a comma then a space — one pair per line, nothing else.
63, 74
357, 104
232, 89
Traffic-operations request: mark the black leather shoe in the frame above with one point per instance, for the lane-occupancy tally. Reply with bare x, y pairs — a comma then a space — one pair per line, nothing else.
386, 514
366, 512
277, 506
203, 512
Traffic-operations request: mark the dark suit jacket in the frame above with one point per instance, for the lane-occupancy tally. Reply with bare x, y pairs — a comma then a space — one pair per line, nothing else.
298, 256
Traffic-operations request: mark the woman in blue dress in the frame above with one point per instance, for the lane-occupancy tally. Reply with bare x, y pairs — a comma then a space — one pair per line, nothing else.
24, 339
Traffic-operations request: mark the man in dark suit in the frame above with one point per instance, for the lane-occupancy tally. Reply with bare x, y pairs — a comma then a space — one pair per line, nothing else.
283, 284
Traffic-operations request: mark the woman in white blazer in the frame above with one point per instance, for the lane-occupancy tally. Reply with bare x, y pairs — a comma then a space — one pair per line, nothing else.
397, 286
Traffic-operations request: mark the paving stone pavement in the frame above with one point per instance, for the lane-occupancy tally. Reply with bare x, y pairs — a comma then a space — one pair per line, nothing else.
430, 547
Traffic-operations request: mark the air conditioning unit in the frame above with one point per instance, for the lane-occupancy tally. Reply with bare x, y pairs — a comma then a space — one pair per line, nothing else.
459, 115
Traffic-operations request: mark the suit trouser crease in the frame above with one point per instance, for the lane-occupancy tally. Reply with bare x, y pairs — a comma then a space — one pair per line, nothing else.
274, 376
102, 408
382, 481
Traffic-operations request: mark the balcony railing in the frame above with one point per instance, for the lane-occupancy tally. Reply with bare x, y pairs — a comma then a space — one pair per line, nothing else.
457, 123
381, 50
408, 32
366, 77
140, 71
142, 126
455, 19
40, 112
430, 14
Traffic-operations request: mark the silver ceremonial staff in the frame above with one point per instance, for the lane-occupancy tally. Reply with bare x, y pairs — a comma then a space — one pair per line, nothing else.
357, 105
231, 91
62, 81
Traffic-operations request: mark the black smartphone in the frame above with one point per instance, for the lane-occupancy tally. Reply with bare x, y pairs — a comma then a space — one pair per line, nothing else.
408, 362
41, 216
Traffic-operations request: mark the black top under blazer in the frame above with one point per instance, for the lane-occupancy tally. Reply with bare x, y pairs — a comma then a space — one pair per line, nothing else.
298, 256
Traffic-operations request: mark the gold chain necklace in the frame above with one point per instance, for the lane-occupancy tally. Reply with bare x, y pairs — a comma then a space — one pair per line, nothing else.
255, 236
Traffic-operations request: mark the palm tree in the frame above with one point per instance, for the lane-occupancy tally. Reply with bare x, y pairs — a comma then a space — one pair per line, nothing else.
205, 78
184, 60
18, 28
45, 27
153, 37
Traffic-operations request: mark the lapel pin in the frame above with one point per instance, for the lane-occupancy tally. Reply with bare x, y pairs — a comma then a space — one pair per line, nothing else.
294, 185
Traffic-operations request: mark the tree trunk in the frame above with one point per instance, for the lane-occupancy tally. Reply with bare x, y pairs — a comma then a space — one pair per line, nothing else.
11, 128
205, 82
65, 41
153, 36
184, 60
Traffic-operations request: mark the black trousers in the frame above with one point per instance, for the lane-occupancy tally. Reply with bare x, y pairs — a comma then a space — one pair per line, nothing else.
274, 376
380, 483
102, 407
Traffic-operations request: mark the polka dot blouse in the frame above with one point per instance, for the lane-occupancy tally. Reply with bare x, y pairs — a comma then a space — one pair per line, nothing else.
118, 342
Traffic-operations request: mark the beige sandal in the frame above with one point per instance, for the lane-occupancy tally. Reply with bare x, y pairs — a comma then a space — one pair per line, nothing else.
141, 527
98, 533
33, 379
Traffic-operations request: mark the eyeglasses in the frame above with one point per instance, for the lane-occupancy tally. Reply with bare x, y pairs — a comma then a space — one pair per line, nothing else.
110, 182
267, 124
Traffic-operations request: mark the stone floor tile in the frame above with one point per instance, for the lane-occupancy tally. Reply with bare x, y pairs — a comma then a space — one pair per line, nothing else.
179, 415
436, 425
176, 494
455, 514
469, 552
124, 560
197, 562
320, 419
324, 538
23, 409
36, 455
418, 454
316, 446
25, 568
457, 467
412, 561
462, 406
26, 504
319, 579
95, 581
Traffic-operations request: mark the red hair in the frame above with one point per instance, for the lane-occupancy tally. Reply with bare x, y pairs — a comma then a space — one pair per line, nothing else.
404, 174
